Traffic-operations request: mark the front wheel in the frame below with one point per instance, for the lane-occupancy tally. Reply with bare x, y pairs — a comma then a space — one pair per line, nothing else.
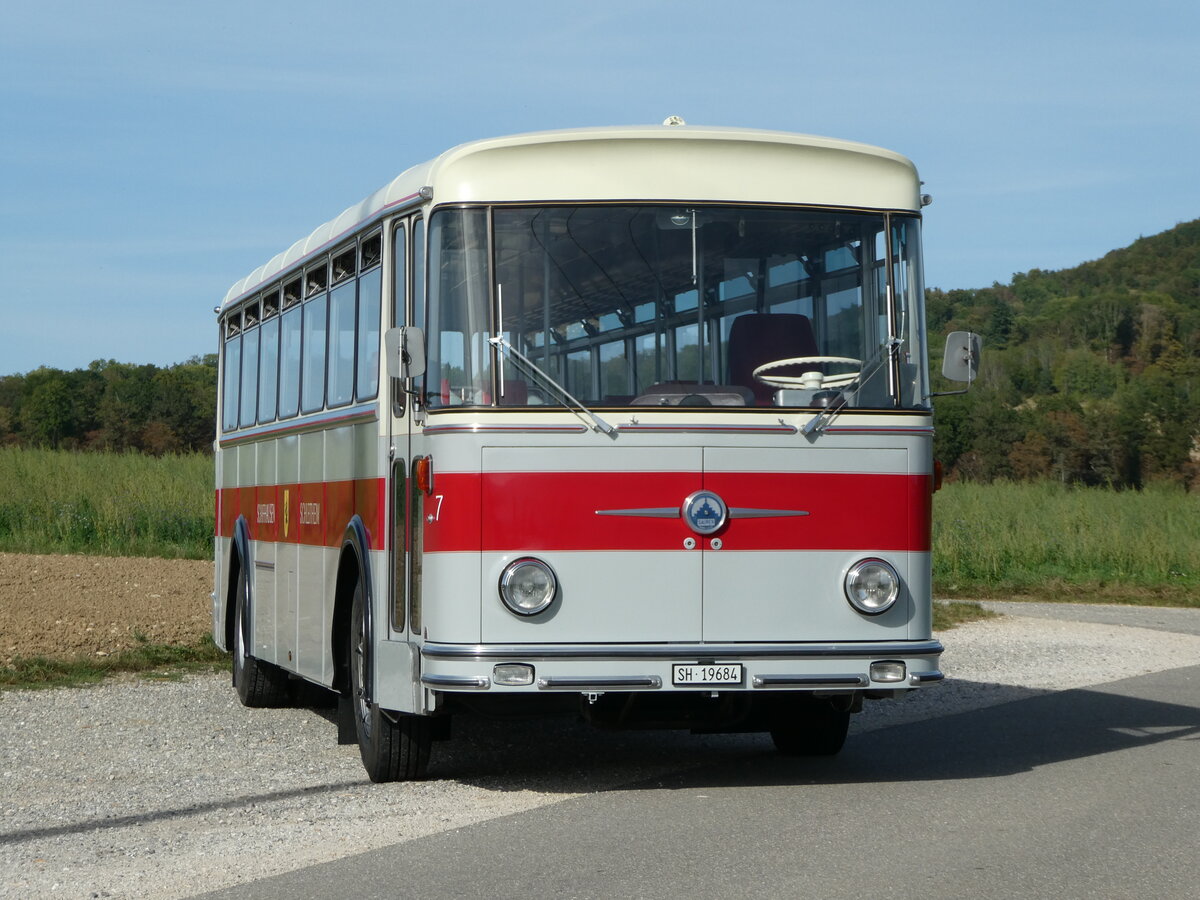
394, 745
809, 728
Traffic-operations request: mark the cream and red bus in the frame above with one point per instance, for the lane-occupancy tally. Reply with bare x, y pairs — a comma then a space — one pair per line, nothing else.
629, 421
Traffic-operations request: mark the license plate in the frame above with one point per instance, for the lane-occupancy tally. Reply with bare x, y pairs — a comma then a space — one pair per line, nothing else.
706, 674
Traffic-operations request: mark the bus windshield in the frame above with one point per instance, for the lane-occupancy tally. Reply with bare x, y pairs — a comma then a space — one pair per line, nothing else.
651, 305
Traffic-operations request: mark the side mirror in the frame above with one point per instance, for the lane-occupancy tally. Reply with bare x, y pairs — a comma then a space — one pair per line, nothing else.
405, 349
961, 362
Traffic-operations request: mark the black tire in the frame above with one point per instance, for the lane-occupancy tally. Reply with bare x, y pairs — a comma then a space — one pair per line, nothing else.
394, 746
259, 684
809, 728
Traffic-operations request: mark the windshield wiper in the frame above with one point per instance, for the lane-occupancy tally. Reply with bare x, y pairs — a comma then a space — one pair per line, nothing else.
598, 424
821, 420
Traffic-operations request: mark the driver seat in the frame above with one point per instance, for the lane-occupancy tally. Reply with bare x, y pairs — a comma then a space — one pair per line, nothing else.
764, 337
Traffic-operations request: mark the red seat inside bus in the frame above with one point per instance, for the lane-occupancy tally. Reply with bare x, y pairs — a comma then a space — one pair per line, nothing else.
764, 338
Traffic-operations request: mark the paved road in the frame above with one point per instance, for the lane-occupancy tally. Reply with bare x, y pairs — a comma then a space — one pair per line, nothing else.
1083, 793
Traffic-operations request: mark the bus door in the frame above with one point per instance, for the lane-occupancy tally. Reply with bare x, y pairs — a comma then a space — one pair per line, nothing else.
407, 308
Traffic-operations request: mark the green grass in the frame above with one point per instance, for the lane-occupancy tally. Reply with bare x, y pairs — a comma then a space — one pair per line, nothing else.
110, 504
1048, 541
149, 660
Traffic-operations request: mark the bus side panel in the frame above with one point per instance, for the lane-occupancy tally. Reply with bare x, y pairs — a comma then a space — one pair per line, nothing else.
221, 544
337, 509
262, 620
308, 505
287, 554
354, 486
262, 531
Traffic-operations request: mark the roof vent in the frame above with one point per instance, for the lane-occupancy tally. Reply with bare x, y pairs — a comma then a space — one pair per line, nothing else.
674, 120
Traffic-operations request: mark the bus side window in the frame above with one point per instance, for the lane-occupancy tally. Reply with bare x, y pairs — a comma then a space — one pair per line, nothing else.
369, 298
418, 289
289, 367
268, 359
249, 414
340, 363
312, 396
399, 298
267, 369
232, 372
418, 273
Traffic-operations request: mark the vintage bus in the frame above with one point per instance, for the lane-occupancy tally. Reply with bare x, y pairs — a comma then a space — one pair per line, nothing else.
634, 422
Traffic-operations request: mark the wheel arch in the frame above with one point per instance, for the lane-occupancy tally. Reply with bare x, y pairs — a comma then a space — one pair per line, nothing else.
239, 556
354, 562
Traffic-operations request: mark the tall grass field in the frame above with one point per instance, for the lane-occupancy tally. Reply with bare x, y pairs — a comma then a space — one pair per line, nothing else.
1041, 540
109, 504
1051, 541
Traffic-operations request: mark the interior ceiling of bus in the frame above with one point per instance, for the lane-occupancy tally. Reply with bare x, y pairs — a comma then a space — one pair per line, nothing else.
608, 260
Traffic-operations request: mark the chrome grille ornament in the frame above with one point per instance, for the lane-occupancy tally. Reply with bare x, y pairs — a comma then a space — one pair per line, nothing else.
705, 512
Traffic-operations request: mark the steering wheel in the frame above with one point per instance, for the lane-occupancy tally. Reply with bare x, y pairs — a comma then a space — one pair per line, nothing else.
795, 381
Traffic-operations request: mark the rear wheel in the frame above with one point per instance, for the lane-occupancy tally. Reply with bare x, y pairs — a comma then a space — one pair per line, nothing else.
394, 745
809, 728
258, 683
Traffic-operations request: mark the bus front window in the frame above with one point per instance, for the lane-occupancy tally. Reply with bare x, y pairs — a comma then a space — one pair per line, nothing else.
632, 306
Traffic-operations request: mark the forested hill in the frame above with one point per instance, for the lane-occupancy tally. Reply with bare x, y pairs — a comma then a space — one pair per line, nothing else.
1089, 375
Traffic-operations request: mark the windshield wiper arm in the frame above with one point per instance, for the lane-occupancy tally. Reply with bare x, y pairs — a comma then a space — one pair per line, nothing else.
821, 420
598, 424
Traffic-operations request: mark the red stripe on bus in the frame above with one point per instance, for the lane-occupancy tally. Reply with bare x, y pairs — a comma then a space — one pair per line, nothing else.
545, 511
314, 514
529, 511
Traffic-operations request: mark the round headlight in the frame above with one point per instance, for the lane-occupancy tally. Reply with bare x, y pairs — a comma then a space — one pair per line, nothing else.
872, 586
528, 586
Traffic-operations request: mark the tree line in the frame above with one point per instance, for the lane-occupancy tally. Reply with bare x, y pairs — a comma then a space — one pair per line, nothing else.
112, 406
1090, 375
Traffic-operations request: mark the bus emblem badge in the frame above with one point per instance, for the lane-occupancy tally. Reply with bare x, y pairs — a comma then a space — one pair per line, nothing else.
705, 512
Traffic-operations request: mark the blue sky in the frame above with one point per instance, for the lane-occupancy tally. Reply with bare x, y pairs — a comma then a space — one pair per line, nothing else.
153, 153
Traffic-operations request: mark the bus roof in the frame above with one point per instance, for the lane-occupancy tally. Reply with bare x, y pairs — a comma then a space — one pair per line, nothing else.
657, 163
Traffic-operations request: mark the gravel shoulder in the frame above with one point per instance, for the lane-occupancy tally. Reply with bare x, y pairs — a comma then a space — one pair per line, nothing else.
171, 789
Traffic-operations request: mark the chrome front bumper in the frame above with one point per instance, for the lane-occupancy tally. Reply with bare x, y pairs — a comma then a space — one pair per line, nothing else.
593, 668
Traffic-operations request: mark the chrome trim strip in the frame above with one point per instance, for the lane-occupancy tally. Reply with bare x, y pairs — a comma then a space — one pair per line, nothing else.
656, 512
810, 681
457, 682
743, 512
504, 429
926, 677
599, 683
679, 652
634, 427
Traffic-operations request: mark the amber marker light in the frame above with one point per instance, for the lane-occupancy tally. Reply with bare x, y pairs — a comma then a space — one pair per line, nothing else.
423, 472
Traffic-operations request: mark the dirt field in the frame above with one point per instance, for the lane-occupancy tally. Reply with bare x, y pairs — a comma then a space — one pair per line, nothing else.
69, 605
